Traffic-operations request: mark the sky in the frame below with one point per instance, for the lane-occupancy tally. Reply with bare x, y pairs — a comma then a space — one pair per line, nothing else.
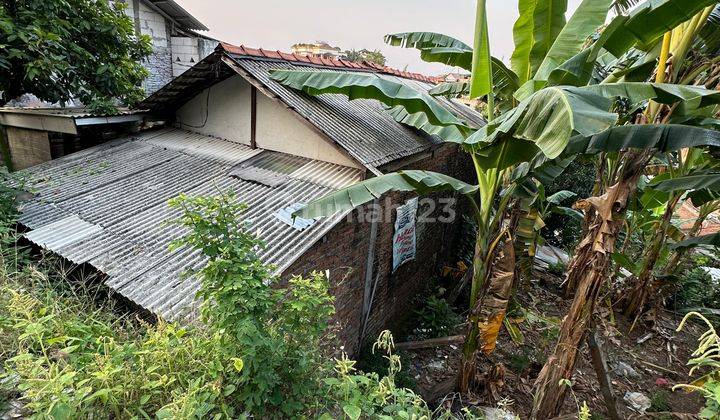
278, 24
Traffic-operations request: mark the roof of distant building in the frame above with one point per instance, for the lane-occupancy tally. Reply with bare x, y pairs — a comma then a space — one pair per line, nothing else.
63, 120
177, 13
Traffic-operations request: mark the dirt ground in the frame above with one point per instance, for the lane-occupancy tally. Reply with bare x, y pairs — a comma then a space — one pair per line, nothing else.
647, 360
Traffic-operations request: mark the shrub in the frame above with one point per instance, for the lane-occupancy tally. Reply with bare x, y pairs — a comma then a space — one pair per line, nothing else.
695, 289
437, 318
706, 356
256, 354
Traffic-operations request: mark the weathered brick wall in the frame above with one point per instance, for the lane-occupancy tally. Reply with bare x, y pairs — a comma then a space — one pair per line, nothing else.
344, 252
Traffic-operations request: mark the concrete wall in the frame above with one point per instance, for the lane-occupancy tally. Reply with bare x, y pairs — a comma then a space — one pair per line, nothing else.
228, 111
159, 63
228, 117
185, 54
27, 147
171, 55
278, 130
187, 51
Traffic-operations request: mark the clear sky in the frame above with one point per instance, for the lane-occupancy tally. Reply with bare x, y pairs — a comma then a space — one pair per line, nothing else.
277, 24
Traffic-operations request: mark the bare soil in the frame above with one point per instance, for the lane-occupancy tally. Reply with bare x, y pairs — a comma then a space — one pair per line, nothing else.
657, 356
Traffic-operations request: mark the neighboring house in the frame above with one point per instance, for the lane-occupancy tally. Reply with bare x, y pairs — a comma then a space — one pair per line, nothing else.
317, 49
176, 44
455, 77
230, 127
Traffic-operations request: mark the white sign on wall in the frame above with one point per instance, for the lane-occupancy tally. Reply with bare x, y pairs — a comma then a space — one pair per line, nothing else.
404, 237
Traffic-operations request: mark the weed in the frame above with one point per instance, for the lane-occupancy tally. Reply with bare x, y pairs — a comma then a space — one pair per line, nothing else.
437, 318
557, 269
659, 401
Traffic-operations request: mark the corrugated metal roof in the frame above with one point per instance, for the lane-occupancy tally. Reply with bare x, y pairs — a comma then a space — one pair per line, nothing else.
65, 112
107, 206
362, 127
180, 15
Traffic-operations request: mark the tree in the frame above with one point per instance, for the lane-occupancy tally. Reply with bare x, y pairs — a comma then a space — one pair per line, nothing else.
546, 109
72, 49
374, 56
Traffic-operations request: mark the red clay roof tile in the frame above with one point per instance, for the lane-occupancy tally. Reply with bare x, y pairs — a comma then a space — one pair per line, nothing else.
325, 62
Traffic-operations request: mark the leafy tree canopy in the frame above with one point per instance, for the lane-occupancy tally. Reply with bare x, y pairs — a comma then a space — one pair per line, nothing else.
374, 56
60, 50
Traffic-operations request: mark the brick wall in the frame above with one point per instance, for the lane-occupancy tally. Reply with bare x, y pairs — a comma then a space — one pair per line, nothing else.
344, 252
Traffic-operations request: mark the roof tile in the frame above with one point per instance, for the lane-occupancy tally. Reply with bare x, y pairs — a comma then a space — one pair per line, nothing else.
320, 61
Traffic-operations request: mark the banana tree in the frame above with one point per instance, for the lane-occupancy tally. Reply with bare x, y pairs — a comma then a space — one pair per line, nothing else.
687, 172
552, 104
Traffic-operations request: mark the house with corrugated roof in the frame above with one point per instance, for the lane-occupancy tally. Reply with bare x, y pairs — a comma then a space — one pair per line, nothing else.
229, 127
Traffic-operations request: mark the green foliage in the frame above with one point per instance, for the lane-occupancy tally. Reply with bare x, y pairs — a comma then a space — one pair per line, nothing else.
60, 50
707, 357
561, 230
659, 402
374, 56
437, 318
368, 395
695, 289
275, 331
557, 268
72, 359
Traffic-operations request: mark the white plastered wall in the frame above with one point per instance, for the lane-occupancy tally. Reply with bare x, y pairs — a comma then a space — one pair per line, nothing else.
228, 117
228, 111
278, 130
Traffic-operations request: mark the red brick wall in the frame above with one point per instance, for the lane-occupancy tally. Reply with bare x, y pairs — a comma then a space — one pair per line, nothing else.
344, 252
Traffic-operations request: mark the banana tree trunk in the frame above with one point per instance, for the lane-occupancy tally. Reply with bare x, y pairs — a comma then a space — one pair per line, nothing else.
642, 287
588, 270
488, 310
571, 283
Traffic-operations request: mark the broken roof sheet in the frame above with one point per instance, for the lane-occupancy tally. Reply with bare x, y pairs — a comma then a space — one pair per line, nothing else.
107, 206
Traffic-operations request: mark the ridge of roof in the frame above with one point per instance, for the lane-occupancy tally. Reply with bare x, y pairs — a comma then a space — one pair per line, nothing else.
323, 62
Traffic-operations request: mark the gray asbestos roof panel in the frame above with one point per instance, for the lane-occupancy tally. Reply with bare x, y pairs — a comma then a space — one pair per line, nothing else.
361, 126
107, 206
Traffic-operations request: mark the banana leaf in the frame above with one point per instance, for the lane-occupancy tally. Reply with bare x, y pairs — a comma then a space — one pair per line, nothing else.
451, 56
561, 196
690, 98
710, 33
422, 182
367, 86
550, 117
451, 89
663, 137
712, 239
481, 80
548, 22
649, 21
578, 70
524, 39
424, 40
589, 16
702, 181
449, 133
